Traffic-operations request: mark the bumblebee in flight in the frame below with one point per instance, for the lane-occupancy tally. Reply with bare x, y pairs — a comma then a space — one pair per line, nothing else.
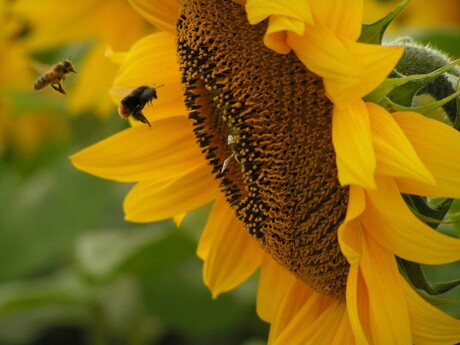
55, 76
134, 103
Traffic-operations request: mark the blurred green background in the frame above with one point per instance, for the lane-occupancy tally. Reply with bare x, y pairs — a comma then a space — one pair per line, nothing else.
72, 271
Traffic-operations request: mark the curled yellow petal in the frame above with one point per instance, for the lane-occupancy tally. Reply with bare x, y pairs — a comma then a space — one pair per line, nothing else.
404, 234
286, 16
350, 70
259, 10
438, 146
276, 35
395, 154
349, 230
350, 244
351, 135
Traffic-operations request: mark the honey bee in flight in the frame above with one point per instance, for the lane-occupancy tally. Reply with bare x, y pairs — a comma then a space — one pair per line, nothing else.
134, 103
55, 76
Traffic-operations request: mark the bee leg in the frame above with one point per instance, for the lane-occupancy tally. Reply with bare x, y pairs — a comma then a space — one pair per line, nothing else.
141, 118
58, 88
224, 166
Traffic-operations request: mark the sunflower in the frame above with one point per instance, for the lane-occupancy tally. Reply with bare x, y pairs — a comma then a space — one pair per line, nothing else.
304, 175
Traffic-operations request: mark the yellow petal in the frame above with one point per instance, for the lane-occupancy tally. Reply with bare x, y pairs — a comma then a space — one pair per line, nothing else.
438, 146
350, 70
179, 218
161, 13
230, 254
167, 150
83, 95
276, 36
150, 201
283, 17
395, 154
344, 332
152, 61
316, 323
115, 57
342, 17
357, 306
79, 21
259, 10
350, 229
296, 297
387, 302
279, 297
273, 284
430, 326
390, 222
353, 145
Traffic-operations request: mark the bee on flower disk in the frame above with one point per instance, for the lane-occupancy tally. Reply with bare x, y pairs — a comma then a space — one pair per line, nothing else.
230, 142
55, 76
134, 103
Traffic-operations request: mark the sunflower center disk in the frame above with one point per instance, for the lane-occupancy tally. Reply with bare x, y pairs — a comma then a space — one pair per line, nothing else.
264, 124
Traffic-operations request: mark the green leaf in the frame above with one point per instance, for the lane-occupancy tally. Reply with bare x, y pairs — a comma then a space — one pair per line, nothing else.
373, 33
195, 313
45, 212
156, 248
62, 289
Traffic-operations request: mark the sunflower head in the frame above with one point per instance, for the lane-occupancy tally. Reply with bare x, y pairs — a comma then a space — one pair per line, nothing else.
280, 175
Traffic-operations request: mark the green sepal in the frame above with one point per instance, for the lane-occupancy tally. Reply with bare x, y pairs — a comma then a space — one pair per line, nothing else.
402, 89
414, 273
432, 215
373, 33
437, 301
456, 123
423, 109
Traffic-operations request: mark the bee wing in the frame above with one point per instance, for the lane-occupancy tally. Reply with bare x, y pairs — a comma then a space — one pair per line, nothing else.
39, 67
119, 93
